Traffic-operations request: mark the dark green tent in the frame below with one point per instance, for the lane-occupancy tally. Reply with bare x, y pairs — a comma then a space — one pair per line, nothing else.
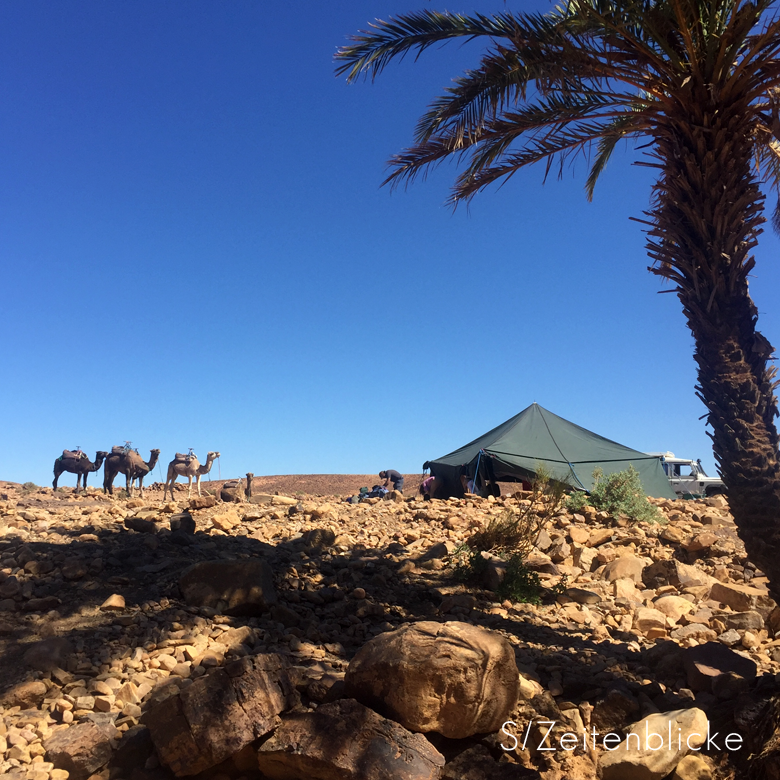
513, 451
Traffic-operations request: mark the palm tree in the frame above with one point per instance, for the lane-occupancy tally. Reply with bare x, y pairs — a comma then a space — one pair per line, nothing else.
699, 82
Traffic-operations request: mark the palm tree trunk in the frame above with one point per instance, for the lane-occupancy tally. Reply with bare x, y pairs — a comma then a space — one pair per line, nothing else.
707, 217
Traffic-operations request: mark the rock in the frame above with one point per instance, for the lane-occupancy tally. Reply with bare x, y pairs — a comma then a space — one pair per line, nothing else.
702, 541
614, 711
217, 715
740, 598
626, 588
650, 756
674, 607
559, 552
319, 538
730, 637
43, 604
80, 750
729, 686
582, 596
704, 662
233, 587
627, 566
344, 740
25, 695
692, 767
579, 534
476, 763
672, 572
584, 557
744, 621
184, 522
599, 537
697, 631
226, 520
453, 678
10, 588
48, 654
494, 573
285, 616
202, 502
647, 619
140, 525
114, 602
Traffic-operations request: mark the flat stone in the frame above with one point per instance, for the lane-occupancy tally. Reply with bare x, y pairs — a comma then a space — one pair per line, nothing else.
80, 750
582, 596
344, 740
703, 662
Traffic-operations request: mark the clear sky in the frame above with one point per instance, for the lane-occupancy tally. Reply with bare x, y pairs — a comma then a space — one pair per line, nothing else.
196, 252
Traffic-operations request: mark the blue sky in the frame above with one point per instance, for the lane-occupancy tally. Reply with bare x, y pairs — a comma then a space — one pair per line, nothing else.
196, 252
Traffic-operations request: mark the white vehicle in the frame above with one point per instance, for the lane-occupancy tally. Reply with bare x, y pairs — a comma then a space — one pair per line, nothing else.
687, 477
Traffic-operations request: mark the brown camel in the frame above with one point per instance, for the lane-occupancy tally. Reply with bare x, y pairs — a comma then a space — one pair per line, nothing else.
233, 490
78, 464
187, 466
129, 463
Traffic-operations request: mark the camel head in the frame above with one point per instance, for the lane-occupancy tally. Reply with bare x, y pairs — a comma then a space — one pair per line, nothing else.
212, 456
153, 459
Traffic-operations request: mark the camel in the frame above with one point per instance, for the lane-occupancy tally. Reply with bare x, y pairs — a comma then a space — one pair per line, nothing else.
234, 491
129, 463
77, 463
187, 466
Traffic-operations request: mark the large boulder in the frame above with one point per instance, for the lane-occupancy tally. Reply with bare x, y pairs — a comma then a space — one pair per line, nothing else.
453, 678
344, 740
242, 587
647, 753
218, 715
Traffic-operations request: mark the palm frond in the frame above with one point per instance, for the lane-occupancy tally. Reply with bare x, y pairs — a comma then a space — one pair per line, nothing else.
618, 130
374, 49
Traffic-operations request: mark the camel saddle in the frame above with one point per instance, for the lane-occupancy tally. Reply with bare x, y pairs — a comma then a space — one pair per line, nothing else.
118, 450
77, 455
180, 457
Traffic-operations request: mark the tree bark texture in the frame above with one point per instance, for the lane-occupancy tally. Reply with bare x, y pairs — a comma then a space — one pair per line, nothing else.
707, 215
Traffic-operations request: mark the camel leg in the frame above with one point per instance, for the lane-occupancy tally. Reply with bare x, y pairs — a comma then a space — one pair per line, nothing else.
108, 481
141, 486
189, 489
169, 482
198, 481
57, 473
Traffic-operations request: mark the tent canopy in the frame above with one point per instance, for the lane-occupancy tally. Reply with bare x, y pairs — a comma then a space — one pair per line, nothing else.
515, 449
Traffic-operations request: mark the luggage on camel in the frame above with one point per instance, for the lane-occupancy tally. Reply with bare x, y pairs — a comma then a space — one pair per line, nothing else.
76, 454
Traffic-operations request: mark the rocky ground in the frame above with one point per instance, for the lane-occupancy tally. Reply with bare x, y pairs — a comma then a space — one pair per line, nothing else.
139, 639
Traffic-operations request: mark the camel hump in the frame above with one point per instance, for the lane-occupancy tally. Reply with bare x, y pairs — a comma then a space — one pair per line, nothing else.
117, 450
134, 458
73, 455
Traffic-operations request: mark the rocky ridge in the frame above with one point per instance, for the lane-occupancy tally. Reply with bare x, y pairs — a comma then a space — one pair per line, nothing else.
106, 615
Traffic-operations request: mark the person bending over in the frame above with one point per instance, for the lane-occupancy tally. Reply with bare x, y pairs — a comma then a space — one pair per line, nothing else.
391, 475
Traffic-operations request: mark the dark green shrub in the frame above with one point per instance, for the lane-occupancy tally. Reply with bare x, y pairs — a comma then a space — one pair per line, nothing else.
621, 493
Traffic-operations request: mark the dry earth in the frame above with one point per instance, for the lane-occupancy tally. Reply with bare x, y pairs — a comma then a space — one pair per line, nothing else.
99, 634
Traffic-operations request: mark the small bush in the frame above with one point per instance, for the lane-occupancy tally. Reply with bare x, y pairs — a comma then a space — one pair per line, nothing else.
511, 536
576, 501
621, 493
520, 583
28, 487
